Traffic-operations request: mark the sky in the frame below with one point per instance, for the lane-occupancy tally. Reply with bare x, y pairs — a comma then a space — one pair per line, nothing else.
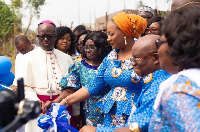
64, 12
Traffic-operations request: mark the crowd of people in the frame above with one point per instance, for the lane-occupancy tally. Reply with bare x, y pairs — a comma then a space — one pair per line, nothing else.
140, 73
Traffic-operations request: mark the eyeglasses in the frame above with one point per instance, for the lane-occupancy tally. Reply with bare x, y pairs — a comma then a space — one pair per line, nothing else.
135, 59
79, 44
49, 37
152, 30
91, 48
159, 42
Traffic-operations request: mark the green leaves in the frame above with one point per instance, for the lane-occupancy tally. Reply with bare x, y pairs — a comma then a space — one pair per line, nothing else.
10, 16
6, 20
35, 5
17, 4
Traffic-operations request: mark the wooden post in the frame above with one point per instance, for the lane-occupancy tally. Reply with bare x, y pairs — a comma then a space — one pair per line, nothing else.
106, 19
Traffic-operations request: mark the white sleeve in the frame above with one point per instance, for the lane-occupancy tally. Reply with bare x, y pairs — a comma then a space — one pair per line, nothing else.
19, 68
23, 68
30, 94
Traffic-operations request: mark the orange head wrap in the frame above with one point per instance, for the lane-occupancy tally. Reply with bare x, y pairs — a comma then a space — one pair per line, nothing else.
132, 25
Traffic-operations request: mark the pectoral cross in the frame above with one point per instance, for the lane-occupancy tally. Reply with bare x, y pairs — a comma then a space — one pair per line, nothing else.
51, 92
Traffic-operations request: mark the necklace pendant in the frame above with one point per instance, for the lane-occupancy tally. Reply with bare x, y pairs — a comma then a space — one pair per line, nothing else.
50, 91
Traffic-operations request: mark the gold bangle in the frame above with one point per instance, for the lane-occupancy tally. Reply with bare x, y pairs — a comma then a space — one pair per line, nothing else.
134, 127
65, 102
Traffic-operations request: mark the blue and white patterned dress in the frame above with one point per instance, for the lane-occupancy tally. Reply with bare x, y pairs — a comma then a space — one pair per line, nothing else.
125, 87
80, 74
179, 109
144, 106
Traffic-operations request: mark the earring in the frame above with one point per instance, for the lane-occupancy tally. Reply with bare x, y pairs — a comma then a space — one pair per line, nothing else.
125, 40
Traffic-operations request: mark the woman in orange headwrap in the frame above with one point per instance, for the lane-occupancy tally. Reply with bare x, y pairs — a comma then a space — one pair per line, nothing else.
116, 72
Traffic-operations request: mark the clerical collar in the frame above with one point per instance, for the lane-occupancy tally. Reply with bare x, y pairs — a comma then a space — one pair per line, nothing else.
50, 52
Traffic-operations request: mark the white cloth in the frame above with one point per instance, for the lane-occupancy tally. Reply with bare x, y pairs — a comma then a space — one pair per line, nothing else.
18, 60
40, 70
192, 73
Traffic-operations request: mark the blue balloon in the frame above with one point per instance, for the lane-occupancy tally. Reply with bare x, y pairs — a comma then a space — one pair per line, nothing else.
5, 65
7, 79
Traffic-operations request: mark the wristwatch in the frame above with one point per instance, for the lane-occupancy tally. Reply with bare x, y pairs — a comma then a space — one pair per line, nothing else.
134, 127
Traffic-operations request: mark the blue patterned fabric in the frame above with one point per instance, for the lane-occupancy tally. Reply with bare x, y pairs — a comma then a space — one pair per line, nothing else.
125, 89
80, 74
145, 102
179, 109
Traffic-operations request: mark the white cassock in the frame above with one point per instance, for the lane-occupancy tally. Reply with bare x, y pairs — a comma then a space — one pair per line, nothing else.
42, 71
18, 60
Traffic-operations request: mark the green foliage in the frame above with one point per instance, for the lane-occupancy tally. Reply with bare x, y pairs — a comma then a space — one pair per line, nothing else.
29, 31
17, 4
35, 5
6, 20
140, 4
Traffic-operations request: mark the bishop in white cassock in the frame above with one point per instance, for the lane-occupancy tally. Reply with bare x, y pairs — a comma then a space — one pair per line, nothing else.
42, 70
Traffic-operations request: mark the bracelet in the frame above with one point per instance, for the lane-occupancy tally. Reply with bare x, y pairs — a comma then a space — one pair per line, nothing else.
65, 102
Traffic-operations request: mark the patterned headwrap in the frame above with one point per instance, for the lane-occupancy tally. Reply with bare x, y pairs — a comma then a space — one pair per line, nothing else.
146, 9
130, 24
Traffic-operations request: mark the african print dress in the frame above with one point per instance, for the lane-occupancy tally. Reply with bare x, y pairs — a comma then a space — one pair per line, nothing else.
144, 106
179, 109
80, 74
125, 89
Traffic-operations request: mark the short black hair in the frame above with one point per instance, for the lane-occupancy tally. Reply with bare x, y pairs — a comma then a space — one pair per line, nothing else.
20, 38
182, 31
158, 19
61, 31
79, 28
100, 40
79, 35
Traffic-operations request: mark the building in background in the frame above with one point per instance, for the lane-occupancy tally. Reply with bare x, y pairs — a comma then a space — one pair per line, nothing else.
105, 19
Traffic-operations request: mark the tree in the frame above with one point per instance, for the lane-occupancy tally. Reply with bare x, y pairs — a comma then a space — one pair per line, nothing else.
6, 21
140, 4
16, 6
34, 10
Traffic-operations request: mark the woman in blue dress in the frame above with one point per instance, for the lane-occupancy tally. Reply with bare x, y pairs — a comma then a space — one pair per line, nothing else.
177, 105
116, 71
96, 47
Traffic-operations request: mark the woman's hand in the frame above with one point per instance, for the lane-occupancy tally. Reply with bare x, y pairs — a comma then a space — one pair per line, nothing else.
48, 105
88, 129
63, 102
123, 129
80, 95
